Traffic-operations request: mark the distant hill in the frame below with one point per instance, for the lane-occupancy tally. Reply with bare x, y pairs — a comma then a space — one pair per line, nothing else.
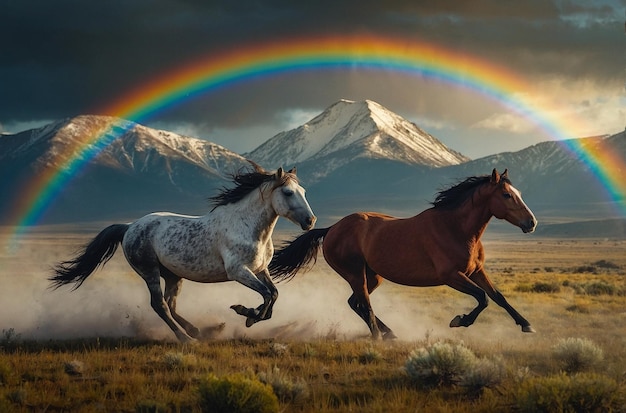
354, 156
142, 171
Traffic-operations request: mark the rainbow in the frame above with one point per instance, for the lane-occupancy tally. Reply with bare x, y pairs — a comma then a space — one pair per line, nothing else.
359, 52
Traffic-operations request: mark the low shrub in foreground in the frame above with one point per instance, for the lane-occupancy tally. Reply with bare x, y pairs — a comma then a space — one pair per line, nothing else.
440, 364
285, 388
445, 364
584, 392
484, 373
577, 354
236, 393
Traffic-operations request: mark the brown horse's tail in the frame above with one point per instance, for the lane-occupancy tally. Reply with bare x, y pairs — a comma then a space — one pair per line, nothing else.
95, 254
296, 254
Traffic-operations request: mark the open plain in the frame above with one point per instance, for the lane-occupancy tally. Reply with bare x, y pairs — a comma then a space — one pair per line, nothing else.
102, 347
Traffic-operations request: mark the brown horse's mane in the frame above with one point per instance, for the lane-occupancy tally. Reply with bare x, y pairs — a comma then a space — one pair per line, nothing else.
456, 195
246, 183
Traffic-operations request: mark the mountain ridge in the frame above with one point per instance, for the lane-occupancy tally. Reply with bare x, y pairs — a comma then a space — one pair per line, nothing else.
146, 170
140, 170
348, 130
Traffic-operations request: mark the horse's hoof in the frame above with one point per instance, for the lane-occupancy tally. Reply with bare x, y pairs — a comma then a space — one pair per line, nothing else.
528, 329
250, 321
456, 321
240, 309
389, 336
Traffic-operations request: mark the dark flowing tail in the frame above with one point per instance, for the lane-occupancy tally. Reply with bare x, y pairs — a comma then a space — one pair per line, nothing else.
95, 254
296, 254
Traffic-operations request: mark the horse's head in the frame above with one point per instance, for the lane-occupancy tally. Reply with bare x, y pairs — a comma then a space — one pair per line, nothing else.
506, 203
289, 201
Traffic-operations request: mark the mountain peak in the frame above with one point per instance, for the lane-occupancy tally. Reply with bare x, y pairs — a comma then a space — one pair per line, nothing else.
135, 148
348, 130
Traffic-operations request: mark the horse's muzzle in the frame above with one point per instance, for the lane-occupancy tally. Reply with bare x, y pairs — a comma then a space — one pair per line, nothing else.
528, 226
308, 222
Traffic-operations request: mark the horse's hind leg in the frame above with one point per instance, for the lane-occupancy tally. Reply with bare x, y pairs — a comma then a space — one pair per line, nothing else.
355, 274
161, 308
362, 311
373, 281
173, 284
151, 275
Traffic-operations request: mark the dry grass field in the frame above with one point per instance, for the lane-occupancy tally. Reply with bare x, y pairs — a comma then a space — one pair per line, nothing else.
102, 348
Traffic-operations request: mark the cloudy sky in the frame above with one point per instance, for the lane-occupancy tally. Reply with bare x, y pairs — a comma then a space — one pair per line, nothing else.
64, 58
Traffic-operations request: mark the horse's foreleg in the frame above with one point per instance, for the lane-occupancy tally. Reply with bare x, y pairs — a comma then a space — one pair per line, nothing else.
463, 284
266, 313
173, 285
244, 276
485, 283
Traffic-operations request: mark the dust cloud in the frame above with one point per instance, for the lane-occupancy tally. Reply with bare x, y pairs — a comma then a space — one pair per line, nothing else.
114, 301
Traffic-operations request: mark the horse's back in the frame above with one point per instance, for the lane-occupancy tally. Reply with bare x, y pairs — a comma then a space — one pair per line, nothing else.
182, 243
364, 234
358, 226
151, 228
395, 248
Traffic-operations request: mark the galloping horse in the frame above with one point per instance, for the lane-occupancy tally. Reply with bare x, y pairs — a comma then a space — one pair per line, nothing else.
440, 246
233, 242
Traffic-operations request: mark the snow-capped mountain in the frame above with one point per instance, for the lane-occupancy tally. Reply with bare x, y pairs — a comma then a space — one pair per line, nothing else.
556, 183
350, 130
131, 147
354, 156
136, 168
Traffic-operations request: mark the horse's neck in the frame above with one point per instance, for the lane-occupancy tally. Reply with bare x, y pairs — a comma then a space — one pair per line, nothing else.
257, 211
471, 219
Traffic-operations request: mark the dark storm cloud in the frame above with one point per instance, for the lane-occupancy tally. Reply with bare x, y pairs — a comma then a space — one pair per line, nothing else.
62, 58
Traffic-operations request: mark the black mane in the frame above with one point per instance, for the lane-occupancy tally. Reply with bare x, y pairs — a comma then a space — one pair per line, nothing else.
456, 195
246, 183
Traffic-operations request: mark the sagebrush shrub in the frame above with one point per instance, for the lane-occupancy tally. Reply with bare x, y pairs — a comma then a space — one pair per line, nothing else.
544, 287
285, 388
370, 355
236, 393
577, 354
584, 392
440, 364
600, 288
485, 373
178, 360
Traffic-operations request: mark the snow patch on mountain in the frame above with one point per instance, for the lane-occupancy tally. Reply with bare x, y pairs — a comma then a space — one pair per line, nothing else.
348, 130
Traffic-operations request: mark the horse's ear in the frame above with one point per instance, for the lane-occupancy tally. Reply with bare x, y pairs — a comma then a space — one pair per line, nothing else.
293, 170
495, 177
279, 173
505, 174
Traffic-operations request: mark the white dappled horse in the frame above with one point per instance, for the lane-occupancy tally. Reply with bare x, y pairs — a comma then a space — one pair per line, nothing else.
233, 242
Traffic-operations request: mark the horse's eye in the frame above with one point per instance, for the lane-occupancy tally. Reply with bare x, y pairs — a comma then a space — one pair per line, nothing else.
287, 192
507, 195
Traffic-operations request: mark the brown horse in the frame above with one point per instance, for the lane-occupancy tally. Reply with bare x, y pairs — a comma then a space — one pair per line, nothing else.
440, 246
